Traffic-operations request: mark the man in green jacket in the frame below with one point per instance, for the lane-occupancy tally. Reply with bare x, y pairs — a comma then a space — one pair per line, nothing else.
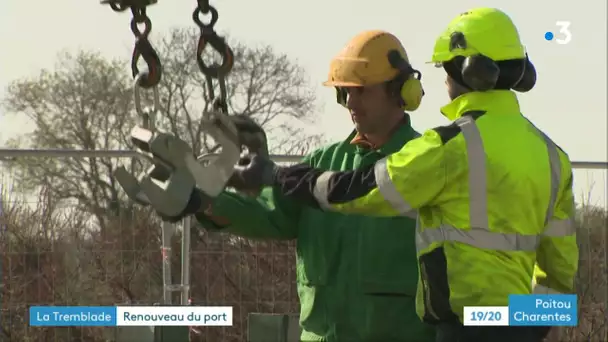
355, 284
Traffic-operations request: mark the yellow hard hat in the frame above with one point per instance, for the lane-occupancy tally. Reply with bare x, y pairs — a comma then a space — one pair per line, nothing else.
487, 31
365, 61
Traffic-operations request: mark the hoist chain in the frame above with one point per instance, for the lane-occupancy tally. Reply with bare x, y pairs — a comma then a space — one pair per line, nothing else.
143, 49
216, 71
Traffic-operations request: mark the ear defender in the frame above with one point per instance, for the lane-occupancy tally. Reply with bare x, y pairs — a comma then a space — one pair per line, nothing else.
527, 81
411, 90
478, 72
481, 73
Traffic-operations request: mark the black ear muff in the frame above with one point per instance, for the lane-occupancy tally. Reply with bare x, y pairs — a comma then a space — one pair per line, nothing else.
478, 72
527, 80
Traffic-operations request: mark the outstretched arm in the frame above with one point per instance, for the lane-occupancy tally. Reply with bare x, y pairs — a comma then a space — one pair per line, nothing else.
395, 185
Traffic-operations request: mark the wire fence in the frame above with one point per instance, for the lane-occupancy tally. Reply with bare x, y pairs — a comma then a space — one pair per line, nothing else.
57, 254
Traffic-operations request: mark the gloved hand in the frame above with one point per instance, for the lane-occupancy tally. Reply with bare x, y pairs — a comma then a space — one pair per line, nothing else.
253, 172
199, 201
251, 134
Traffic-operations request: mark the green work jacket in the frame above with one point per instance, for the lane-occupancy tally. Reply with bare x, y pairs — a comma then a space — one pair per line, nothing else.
356, 275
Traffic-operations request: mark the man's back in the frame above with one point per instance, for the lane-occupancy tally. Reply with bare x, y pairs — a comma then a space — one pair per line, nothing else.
505, 166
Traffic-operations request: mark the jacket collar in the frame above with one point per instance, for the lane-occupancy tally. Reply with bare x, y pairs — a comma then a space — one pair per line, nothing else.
506, 100
402, 133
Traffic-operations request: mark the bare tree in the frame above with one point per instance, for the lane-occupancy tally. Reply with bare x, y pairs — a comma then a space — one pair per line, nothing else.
263, 84
81, 104
86, 103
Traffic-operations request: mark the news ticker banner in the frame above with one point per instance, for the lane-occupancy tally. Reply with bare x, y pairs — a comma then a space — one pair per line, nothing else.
109, 316
523, 310
526, 310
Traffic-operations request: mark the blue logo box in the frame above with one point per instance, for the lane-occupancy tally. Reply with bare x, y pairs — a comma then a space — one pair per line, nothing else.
70, 316
543, 310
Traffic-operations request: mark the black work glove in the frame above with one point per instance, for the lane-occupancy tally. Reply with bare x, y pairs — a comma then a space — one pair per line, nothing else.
199, 201
251, 135
253, 172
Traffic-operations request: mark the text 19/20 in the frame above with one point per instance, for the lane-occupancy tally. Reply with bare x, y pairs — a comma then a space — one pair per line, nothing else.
485, 316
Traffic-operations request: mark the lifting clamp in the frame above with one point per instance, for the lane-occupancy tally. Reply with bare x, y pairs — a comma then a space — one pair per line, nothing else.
168, 183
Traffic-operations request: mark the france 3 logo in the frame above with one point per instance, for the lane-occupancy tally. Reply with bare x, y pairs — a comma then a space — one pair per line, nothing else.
563, 37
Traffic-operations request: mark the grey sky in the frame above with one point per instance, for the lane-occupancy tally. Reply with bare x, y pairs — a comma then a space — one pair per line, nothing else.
568, 103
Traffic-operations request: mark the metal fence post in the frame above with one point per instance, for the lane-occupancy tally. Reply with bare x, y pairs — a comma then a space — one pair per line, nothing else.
170, 333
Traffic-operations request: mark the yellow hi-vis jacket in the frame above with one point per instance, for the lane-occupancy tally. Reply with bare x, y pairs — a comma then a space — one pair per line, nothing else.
494, 199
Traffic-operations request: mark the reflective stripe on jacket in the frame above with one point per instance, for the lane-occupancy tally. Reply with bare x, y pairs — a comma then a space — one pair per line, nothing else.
494, 197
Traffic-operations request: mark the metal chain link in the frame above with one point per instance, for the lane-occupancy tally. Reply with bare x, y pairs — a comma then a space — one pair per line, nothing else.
203, 6
216, 71
143, 49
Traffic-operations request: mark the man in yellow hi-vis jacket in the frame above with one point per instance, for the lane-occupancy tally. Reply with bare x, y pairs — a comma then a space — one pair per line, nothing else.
493, 193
